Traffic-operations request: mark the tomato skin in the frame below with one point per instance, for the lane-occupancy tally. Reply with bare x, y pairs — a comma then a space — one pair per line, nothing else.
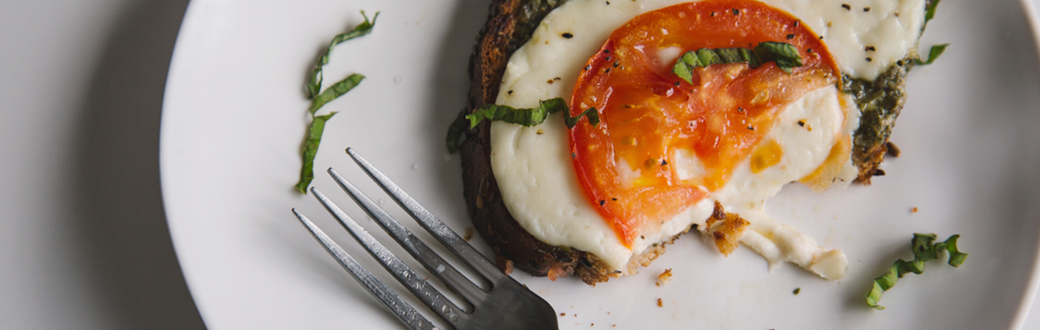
648, 113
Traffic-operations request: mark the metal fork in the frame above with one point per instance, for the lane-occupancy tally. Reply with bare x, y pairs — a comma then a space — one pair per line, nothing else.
506, 305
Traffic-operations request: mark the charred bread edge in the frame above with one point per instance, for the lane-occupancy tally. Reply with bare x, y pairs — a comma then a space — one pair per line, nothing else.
510, 24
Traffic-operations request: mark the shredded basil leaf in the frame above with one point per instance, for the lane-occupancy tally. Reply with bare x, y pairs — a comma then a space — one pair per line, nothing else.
336, 90
318, 100
530, 116
314, 84
929, 10
925, 249
932, 54
591, 114
310, 148
456, 131
784, 54
929, 14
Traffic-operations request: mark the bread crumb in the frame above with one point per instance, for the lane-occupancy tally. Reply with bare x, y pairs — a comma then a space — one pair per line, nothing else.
664, 277
727, 234
468, 235
556, 272
660, 303
892, 149
913, 210
563, 314
504, 264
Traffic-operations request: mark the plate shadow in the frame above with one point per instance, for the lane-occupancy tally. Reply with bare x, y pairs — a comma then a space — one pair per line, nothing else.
121, 230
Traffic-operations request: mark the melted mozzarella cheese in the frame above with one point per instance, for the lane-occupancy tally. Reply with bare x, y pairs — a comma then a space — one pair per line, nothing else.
537, 179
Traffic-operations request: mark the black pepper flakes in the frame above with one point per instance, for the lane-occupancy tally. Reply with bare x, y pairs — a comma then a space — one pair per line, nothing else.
574, 155
712, 14
664, 162
606, 51
801, 123
870, 49
808, 50
510, 92
751, 128
796, 23
790, 36
588, 67
866, 9
602, 202
677, 83
614, 199
607, 59
739, 109
736, 11
568, 35
869, 59
615, 64
607, 70
846, 6
608, 3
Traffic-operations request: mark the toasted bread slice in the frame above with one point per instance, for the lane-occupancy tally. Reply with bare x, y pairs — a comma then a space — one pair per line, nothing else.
509, 25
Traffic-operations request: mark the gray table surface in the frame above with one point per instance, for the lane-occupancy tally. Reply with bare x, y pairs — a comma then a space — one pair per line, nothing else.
84, 243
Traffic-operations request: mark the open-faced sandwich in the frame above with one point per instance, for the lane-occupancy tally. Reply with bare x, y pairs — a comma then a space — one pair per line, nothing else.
604, 129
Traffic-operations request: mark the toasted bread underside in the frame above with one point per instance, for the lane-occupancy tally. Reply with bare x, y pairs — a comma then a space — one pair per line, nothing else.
510, 24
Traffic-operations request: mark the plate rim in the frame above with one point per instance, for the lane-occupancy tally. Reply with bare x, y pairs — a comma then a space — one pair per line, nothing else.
192, 15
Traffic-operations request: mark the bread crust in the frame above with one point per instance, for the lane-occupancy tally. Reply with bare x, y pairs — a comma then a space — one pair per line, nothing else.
504, 32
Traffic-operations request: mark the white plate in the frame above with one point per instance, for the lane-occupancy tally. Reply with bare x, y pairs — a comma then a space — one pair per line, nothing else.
234, 117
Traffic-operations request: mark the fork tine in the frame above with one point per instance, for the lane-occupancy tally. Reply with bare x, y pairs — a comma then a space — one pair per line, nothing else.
419, 250
431, 223
404, 274
391, 300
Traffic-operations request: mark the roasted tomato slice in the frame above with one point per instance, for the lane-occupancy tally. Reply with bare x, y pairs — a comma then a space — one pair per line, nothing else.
651, 119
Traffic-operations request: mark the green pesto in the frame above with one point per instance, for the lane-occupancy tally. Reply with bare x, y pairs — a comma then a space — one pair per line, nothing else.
879, 102
531, 15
